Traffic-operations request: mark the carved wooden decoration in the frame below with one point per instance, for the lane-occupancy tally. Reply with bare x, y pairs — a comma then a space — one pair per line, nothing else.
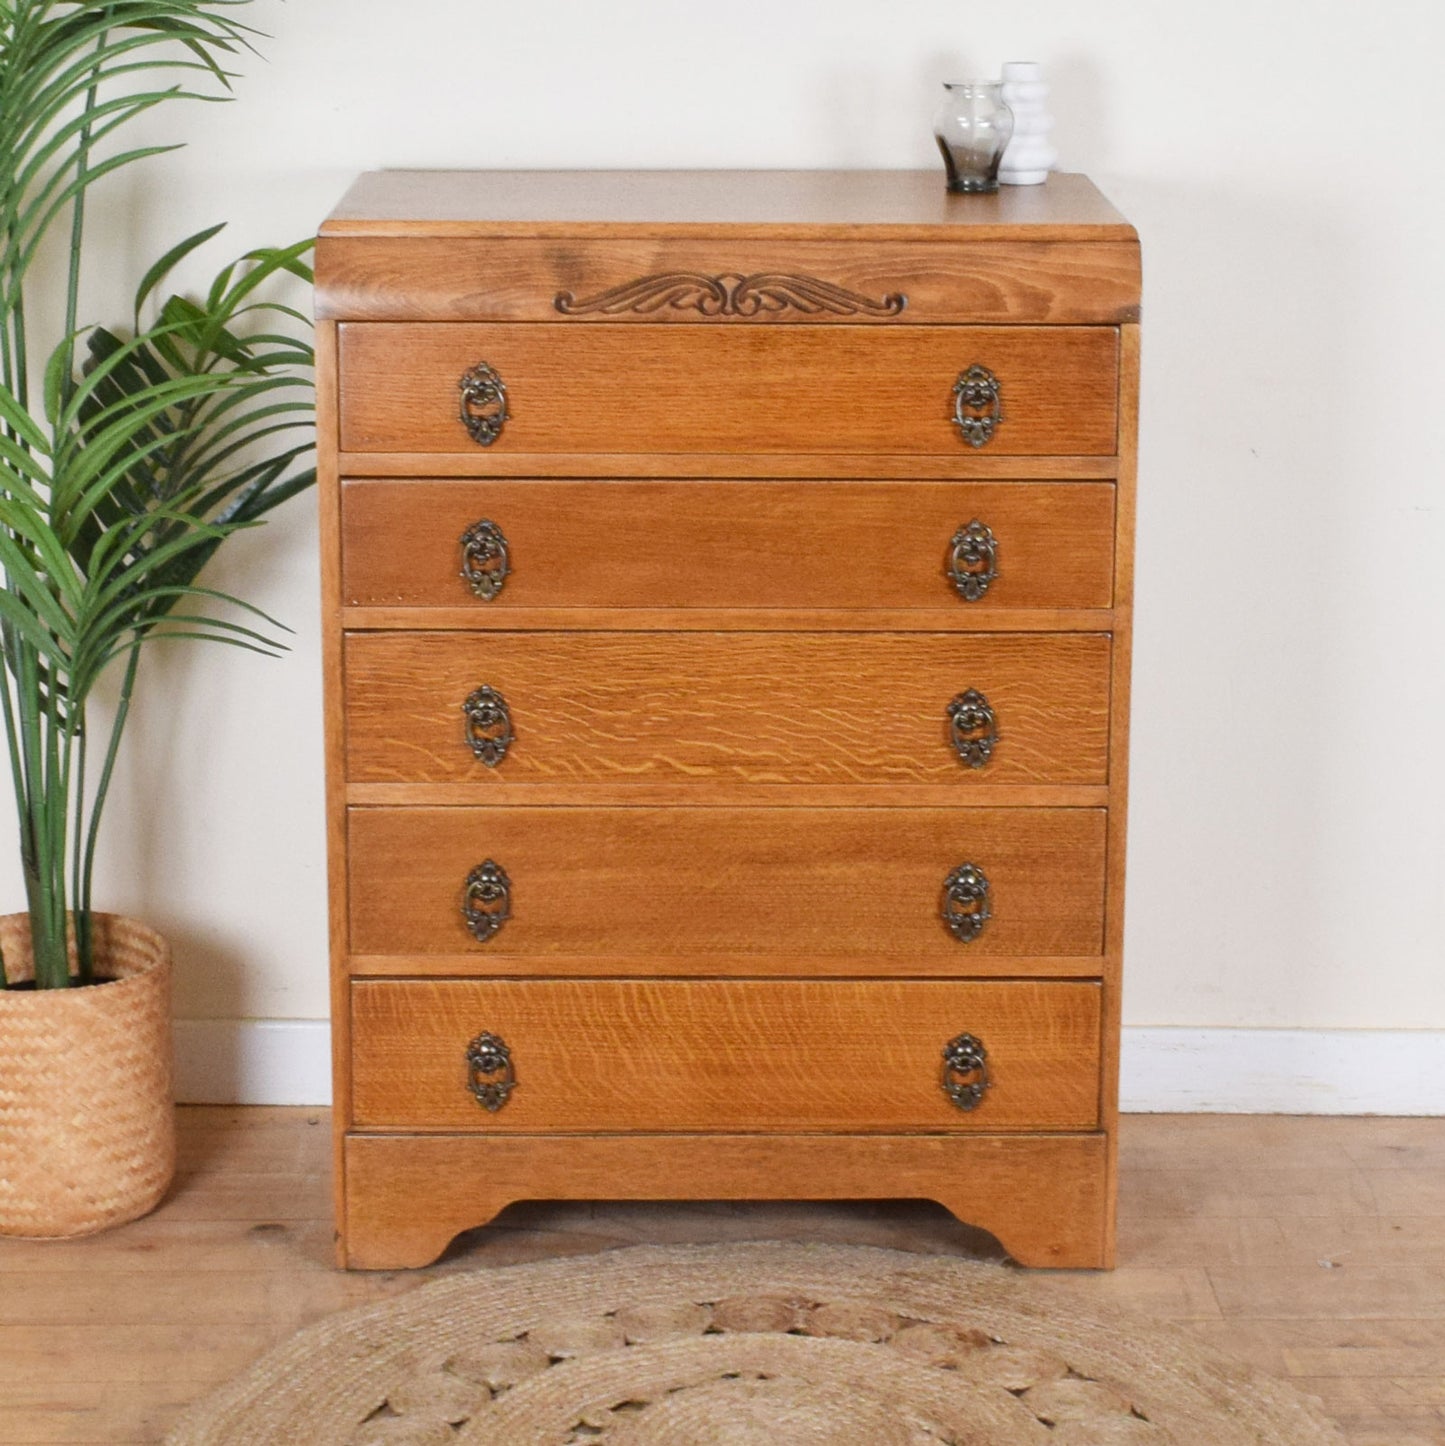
729, 294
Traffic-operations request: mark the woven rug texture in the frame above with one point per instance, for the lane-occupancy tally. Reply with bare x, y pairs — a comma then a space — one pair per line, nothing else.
749, 1345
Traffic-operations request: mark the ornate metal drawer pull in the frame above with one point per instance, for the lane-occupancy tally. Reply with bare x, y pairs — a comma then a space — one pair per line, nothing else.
966, 907
973, 560
485, 559
489, 725
484, 404
977, 405
965, 1071
972, 728
487, 901
488, 1055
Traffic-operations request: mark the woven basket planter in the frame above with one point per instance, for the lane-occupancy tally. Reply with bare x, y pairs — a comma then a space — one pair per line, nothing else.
87, 1124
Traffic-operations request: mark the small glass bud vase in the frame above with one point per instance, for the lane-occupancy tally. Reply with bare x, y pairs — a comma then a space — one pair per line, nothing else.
972, 126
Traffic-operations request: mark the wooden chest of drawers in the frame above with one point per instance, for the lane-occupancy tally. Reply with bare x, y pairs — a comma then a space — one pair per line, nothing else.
727, 604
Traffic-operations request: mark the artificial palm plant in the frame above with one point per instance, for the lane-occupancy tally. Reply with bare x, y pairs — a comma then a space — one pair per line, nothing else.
126, 457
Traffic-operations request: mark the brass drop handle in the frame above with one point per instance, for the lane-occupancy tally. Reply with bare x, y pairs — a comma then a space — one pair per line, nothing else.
977, 405
973, 560
489, 725
487, 1058
487, 900
486, 559
972, 728
964, 1076
966, 908
484, 404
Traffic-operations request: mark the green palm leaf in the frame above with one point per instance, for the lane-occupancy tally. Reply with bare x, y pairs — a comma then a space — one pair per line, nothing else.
143, 452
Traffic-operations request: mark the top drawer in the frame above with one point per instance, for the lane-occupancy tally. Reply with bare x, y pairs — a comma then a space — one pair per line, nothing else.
613, 388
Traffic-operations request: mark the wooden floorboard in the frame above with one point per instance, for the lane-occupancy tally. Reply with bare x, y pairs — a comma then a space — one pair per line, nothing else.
1313, 1248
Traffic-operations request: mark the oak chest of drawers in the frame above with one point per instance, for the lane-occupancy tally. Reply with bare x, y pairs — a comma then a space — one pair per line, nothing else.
727, 603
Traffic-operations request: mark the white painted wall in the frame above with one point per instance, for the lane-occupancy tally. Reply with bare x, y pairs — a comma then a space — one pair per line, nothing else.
1280, 159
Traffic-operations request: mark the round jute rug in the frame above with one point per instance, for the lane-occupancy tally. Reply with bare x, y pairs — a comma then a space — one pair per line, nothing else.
748, 1345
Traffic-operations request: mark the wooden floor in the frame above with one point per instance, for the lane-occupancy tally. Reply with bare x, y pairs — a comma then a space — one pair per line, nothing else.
1314, 1248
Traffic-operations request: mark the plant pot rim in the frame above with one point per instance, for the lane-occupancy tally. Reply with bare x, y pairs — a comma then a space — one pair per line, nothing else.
144, 951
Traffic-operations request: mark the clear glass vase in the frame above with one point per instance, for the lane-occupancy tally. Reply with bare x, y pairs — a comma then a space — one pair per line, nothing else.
972, 126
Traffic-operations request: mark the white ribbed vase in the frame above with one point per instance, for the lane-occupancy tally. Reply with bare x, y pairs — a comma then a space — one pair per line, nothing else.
1029, 157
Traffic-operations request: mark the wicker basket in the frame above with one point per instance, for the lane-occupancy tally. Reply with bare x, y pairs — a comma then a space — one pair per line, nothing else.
87, 1125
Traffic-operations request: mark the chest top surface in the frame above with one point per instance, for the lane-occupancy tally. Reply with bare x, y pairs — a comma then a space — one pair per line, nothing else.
797, 205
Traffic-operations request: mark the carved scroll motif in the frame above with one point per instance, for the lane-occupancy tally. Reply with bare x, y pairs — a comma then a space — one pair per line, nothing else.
729, 294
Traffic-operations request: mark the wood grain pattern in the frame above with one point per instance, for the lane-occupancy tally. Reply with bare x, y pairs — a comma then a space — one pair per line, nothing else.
630, 794
611, 387
724, 1055
639, 881
973, 467
698, 708
1040, 1195
1120, 687
980, 619
774, 205
482, 964
329, 508
754, 545
451, 278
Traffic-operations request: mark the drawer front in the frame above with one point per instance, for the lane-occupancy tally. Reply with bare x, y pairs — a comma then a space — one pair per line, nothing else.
590, 1055
701, 544
695, 708
636, 882
821, 389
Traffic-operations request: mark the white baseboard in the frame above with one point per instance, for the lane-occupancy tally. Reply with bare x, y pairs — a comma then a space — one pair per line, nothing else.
253, 1062
1188, 1071
1283, 1071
